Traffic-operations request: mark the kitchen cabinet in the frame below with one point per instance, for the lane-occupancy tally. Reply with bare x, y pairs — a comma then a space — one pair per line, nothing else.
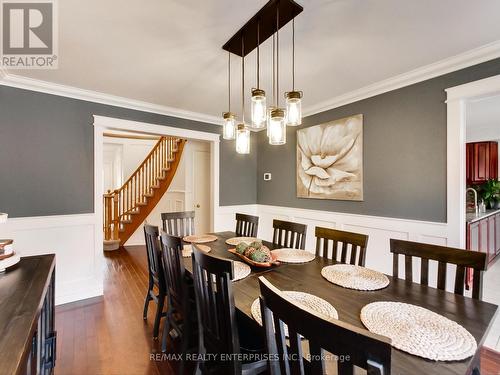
483, 233
481, 162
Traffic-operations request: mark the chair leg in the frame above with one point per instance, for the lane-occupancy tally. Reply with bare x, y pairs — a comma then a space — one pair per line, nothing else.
186, 339
148, 298
166, 329
146, 306
159, 311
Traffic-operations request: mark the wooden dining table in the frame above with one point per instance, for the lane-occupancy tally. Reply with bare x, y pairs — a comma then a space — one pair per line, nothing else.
474, 315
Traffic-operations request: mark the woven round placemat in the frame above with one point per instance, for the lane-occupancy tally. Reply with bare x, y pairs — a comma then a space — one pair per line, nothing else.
241, 270
233, 241
293, 255
188, 250
203, 238
354, 277
305, 299
419, 331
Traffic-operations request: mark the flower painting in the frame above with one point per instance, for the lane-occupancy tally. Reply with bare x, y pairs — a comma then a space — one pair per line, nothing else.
330, 160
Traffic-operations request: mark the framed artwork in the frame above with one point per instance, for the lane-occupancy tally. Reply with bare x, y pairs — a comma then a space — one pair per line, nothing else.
330, 160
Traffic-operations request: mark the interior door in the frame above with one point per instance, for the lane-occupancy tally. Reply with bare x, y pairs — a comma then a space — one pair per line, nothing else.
201, 190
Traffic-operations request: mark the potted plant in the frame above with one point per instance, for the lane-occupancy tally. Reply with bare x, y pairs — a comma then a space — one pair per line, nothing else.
490, 193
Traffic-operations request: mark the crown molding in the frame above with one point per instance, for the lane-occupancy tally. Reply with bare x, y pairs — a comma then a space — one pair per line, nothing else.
473, 57
26, 83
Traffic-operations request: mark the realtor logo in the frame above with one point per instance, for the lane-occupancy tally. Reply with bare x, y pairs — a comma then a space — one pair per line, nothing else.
29, 39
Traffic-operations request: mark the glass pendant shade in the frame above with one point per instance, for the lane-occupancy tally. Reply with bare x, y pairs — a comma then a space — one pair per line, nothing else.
268, 117
277, 127
258, 108
242, 139
293, 108
229, 126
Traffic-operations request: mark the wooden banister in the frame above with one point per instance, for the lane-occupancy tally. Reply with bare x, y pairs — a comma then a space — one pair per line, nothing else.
120, 205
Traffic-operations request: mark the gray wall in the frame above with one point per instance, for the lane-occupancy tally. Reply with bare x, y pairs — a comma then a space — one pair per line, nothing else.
46, 154
404, 152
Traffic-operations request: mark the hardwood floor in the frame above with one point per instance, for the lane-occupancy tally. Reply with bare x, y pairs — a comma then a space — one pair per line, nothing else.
107, 336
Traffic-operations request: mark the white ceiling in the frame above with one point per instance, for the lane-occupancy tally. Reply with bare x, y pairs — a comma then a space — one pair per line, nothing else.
168, 52
483, 119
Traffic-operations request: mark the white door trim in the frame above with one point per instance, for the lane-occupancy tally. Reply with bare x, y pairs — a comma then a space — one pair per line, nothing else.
457, 98
104, 124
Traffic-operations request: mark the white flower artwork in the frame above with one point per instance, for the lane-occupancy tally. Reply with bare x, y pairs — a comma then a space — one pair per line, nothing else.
330, 160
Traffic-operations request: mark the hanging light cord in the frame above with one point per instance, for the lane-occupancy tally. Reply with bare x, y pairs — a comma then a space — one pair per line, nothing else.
274, 68
258, 54
277, 54
229, 80
293, 54
243, 78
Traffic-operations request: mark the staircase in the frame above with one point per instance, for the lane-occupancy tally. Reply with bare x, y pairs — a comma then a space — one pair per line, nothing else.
126, 208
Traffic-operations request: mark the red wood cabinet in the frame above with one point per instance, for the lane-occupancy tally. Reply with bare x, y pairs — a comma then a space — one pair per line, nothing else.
481, 162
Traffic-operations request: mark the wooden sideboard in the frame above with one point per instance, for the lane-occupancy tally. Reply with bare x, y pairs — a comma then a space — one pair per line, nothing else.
27, 334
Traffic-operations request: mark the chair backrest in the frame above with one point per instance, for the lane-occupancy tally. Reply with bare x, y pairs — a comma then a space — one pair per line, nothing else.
328, 242
246, 225
353, 346
443, 255
173, 265
179, 224
155, 267
218, 334
288, 234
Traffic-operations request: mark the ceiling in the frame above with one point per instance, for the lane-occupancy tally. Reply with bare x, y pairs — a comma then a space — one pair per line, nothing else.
168, 52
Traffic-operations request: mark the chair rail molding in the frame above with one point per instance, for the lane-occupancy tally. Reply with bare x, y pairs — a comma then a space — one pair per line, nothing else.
457, 98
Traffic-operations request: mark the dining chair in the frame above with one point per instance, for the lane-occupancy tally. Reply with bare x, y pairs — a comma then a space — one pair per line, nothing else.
246, 225
179, 224
352, 345
156, 276
218, 329
443, 255
328, 242
181, 310
289, 235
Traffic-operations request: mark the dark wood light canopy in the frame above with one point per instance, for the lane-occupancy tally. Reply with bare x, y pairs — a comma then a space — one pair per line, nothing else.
288, 10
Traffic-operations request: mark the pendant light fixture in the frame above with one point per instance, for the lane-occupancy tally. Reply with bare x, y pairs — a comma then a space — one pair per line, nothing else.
242, 132
229, 126
277, 123
258, 108
293, 98
271, 107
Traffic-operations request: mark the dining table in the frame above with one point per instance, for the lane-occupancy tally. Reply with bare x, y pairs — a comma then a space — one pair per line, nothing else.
475, 316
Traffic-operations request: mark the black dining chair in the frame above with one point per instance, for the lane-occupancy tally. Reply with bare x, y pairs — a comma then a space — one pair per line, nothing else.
289, 235
181, 310
246, 225
156, 276
218, 329
443, 255
179, 224
352, 246
353, 346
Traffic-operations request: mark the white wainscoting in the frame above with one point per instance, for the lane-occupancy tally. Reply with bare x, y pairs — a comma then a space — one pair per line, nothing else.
379, 229
79, 259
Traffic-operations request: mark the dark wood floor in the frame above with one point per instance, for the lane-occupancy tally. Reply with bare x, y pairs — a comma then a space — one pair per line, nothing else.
107, 336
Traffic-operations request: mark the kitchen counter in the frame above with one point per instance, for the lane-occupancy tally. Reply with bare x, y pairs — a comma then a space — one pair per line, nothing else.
472, 217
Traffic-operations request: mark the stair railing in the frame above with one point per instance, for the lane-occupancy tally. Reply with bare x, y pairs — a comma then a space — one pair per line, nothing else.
121, 203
